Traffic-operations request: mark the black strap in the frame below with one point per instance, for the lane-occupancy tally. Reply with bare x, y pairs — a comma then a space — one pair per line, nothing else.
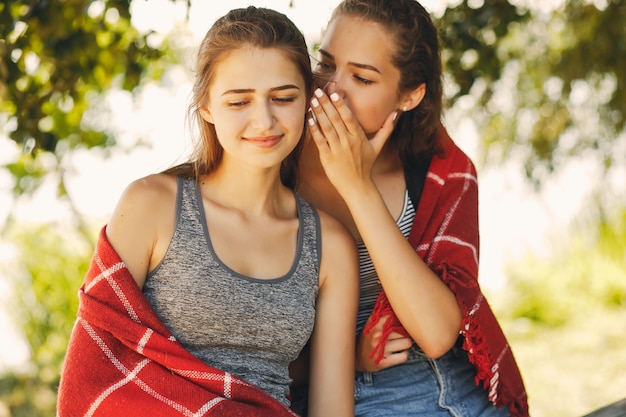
415, 176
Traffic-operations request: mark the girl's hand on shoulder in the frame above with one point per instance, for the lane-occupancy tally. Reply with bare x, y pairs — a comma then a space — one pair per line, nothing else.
396, 349
346, 153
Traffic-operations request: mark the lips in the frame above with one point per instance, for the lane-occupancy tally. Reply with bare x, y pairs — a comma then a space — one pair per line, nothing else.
264, 141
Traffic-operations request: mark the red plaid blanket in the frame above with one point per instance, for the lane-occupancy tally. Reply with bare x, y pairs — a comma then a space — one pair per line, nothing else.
122, 360
445, 235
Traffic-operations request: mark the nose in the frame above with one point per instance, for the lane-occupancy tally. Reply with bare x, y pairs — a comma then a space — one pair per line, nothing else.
263, 118
331, 86
332, 82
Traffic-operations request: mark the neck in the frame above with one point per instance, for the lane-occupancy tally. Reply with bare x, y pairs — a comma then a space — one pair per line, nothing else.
247, 189
388, 161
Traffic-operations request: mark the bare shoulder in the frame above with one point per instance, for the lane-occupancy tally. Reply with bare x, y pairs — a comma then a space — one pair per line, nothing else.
331, 226
150, 189
339, 255
143, 222
145, 199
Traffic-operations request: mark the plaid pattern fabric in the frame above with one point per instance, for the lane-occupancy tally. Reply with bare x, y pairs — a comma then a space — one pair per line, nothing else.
122, 360
445, 235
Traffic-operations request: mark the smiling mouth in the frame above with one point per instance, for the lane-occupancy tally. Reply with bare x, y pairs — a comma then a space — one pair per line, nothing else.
264, 141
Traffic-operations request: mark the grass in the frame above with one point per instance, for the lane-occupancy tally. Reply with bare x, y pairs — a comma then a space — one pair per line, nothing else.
573, 369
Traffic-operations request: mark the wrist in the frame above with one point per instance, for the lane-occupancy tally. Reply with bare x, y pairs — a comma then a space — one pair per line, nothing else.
359, 194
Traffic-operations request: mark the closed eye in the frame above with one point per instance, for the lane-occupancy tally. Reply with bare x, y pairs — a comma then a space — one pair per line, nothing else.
289, 99
363, 80
240, 103
323, 67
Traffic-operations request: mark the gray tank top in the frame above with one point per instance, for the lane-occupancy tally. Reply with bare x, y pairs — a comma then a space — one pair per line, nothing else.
249, 327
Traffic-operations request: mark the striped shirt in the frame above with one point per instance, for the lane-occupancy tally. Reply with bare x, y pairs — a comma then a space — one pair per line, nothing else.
370, 285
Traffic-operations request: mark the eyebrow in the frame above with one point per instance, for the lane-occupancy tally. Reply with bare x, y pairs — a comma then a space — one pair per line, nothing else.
252, 90
328, 55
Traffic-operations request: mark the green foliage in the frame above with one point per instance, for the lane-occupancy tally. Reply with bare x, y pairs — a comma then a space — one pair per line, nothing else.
56, 59
589, 275
46, 275
595, 47
472, 39
545, 86
29, 173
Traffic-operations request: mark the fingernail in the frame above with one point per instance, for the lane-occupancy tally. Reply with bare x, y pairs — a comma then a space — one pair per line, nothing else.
334, 96
315, 103
311, 121
395, 116
319, 92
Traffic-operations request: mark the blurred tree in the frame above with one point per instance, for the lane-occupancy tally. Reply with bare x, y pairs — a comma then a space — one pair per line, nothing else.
56, 60
535, 77
45, 311
546, 85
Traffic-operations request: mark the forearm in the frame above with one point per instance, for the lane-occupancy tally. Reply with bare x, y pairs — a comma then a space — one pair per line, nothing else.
331, 389
331, 392
422, 302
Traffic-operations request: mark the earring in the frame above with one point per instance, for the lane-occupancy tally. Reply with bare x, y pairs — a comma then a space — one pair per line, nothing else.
404, 109
210, 119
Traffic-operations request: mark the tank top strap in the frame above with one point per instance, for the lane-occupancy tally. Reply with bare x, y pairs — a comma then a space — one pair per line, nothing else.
190, 217
310, 230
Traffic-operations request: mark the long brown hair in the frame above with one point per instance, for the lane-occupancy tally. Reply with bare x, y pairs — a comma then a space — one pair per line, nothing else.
252, 26
417, 57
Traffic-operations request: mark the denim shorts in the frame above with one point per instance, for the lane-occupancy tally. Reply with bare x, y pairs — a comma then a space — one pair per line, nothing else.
421, 386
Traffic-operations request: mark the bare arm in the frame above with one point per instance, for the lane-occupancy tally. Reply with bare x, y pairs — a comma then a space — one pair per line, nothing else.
331, 391
423, 303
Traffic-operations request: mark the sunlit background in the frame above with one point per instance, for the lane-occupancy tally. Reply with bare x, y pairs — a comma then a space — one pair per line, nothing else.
520, 226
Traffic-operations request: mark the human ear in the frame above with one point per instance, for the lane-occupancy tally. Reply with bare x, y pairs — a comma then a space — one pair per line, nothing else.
413, 98
206, 115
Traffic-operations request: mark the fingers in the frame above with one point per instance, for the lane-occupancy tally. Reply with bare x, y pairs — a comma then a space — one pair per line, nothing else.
397, 345
318, 137
335, 120
381, 136
328, 121
393, 359
396, 351
380, 324
345, 115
